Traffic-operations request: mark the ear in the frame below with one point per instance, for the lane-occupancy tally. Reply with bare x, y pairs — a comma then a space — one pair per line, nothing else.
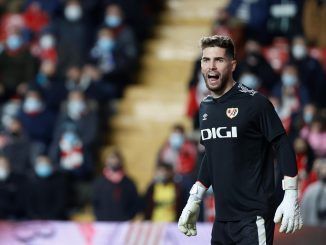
234, 64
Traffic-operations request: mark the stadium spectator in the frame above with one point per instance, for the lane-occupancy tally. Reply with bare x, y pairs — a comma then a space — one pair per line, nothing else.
181, 154
35, 17
163, 198
313, 206
82, 113
16, 146
50, 85
37, 120
51, 7
11, 191
315, 134
225, 24
115, 196
89, 80
254, 14
45, 194
309, 70
45, 48
15, 57
72, 36
291, 93
114, 61
255, 62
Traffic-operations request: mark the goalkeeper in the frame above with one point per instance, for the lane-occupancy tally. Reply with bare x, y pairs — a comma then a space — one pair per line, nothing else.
242, 135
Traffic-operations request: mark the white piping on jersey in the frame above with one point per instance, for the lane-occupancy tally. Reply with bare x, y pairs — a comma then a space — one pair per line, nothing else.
260, 222
244, 89
207, 98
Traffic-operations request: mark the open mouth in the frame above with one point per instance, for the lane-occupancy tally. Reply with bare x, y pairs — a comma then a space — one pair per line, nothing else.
213, 77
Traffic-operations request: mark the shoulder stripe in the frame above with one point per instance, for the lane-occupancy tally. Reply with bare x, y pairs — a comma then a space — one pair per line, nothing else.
208, 98
246, 90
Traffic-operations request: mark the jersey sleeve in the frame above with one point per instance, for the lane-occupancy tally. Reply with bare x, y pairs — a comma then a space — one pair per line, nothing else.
269, 123
285, 155
203, 174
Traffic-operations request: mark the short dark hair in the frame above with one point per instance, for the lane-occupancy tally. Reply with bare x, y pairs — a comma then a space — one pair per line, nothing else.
221, 42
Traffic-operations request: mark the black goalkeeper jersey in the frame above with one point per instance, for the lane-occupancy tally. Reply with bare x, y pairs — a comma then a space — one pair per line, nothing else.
237, 130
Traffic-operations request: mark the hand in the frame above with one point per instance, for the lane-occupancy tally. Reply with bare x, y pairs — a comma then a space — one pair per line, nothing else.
288, 213
188, 218
189, 215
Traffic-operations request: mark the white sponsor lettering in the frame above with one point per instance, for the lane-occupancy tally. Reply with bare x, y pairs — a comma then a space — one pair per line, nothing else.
220, 132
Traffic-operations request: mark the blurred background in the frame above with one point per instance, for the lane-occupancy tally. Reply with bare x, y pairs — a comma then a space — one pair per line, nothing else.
99, 103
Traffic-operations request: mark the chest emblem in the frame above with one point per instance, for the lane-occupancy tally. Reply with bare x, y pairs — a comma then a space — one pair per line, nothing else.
205, 117
232, 112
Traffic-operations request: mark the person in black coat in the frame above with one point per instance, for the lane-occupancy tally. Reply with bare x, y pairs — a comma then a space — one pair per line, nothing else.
115, 194
45, 192
11, 191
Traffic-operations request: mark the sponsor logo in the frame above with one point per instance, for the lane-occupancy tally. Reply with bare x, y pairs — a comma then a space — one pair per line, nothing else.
205, 116
220, 132
232, 112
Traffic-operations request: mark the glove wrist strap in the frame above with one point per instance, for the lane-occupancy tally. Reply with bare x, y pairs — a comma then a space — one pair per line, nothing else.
290, 183
197, 192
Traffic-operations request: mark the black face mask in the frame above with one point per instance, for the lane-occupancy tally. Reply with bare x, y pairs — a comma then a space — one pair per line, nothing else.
15, 134
115, 168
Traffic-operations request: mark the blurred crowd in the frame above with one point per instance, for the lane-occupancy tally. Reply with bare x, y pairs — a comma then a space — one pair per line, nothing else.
63, 65
63, 62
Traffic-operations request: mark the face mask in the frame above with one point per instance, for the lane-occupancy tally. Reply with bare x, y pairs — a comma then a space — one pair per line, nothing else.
75, 108
43, 170
46, 42
307, 117
160, 179
73, 12
14, 42
115, 168
113, 20
68, 141
289, 80
299, 51
32, 105
250, 81
105, 43
176, 140
3, 174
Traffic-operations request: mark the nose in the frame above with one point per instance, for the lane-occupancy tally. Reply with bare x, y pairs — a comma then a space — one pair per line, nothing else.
212, 65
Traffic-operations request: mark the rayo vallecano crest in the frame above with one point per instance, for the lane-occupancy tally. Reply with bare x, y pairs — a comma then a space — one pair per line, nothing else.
232, 112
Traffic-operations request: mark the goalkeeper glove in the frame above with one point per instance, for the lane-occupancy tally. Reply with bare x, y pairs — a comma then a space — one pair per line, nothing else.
288, 212
189, 215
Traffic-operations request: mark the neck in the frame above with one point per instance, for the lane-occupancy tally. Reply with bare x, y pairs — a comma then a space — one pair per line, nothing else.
228, 86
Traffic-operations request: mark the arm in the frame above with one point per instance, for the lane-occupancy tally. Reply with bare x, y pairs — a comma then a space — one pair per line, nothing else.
288, 213
189, 215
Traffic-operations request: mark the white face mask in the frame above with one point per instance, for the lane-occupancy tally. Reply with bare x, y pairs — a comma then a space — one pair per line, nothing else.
75, 108
68, 141
73, 12
289, 80
47, 41
32, 105
3, 174
299, 51
176, 140
249, 80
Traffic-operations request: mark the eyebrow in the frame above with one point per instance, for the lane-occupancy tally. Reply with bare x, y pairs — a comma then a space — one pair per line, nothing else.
214, 58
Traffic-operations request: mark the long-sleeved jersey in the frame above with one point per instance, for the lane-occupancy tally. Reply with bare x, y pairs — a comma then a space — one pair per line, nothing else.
239, 131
